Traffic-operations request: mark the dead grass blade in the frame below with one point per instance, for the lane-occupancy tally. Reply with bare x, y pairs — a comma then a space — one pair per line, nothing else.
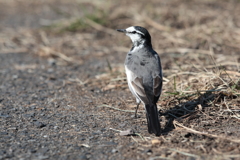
206, 134
48, 52
19, 50
159, 157
155, 24
104, 105
184, 153
184, 50
228, 109
100, 27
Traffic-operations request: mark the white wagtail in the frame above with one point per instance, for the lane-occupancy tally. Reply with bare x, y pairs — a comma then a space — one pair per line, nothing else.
144, 74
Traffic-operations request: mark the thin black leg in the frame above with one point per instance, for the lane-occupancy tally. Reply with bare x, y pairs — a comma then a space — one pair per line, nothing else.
137, 109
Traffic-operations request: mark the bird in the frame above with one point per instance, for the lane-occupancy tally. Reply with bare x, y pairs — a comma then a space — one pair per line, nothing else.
144, 74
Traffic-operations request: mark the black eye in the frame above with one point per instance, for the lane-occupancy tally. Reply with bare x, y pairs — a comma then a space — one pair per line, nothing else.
134, 32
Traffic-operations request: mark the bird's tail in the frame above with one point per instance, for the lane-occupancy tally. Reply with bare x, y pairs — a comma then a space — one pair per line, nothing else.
152, 119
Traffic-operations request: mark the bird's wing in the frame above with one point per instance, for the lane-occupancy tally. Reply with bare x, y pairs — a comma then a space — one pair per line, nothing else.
157, 85
136, 86
157, 80
157, 88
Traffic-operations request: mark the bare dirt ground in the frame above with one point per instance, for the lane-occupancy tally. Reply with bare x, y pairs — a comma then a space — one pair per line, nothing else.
63, 90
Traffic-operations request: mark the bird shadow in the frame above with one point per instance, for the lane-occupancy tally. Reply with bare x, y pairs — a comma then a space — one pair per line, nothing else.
189, 109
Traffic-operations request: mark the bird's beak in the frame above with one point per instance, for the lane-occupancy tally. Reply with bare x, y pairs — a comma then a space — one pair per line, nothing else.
122, 30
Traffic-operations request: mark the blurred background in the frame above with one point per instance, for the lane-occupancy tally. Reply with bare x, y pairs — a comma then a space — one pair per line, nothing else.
189, 35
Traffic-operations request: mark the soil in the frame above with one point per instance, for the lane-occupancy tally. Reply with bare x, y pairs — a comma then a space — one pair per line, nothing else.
64, 95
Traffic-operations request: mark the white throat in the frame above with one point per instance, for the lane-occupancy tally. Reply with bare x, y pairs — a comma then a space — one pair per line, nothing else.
137, 48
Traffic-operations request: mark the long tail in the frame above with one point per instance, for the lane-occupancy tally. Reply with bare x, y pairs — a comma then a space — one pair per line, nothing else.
152, 119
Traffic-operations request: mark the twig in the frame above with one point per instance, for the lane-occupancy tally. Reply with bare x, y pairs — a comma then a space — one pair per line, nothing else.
206, 134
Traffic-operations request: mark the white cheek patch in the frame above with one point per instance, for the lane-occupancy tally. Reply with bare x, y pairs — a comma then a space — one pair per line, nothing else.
134, 37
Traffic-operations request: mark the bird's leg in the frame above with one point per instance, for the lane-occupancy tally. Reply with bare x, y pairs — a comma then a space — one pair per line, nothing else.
138, 103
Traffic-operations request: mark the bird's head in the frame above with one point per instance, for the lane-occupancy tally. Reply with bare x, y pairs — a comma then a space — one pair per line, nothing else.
138, 35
